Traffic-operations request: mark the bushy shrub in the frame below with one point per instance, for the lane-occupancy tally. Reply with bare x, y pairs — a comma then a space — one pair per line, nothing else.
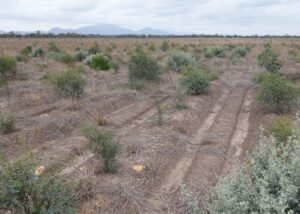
26, 50
278, 93
52, 47
22, 58
143, 67
215, 52
38, 52
261, 76
99, 62
165, 45
104, 145
81, 55
179, 59
267, 183
68, 84
94, 49
7, 66
7, 124
196, 81
60, 56
151, 47
239, 51
269, 59
282, 128
66, 58
24, 191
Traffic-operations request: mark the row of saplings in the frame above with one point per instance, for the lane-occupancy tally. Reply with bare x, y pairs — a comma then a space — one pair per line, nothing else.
269, 179
24, 190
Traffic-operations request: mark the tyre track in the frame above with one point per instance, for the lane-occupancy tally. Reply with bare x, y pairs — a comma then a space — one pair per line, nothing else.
240, 134
205, 156
210, 157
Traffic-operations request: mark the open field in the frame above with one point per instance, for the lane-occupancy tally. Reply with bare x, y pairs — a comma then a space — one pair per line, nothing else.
193, 146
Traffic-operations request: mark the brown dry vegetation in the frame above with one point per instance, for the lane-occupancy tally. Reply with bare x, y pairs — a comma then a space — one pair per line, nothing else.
194, 146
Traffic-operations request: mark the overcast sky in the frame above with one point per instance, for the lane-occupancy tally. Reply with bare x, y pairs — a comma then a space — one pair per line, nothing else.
198, 16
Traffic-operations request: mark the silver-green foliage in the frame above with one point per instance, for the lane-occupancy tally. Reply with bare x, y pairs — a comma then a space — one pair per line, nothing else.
218, 51
269, 182
179, 59
191, 202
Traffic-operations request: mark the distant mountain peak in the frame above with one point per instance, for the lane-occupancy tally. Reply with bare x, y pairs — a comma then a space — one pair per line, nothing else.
107, 29
100, 29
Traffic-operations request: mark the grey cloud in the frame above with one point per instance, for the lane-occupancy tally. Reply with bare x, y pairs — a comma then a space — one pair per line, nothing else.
199, 16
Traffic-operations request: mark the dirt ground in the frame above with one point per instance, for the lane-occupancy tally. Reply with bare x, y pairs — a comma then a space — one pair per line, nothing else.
193, 147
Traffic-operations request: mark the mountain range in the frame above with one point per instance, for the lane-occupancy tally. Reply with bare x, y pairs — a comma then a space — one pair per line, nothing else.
101, 29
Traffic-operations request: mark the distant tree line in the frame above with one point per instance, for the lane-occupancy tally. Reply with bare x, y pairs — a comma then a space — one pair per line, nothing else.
38, 34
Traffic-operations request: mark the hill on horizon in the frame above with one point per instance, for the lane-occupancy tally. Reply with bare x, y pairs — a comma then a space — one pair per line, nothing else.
100, 29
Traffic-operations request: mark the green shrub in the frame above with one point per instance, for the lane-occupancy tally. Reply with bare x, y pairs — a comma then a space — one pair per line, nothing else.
7, 124
52, 47
99, 62
261, 76
23, 191
26, 50
22, 58
38, 52
94, 49
278, 93
269, 59
143, 67
61, 57
104, 145
81, 55
66, 58
8, 69
268, 182
68, 84
179, 59
215, 52
230, 46
196, 81
238, 52
7, 66
165, 45
151, 47
282, 128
